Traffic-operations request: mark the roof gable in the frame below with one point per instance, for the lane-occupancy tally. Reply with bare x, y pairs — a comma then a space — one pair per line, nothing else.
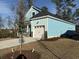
29, 14
44, 11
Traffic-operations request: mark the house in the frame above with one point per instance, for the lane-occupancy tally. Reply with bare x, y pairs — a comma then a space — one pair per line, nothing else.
44, 24
31, 12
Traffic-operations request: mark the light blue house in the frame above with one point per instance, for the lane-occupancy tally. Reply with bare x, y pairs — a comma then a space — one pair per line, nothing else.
46, 25
32, 11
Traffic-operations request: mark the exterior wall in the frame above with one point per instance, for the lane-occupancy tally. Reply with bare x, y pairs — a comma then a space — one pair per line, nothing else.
29, 13
39, 22
56, 27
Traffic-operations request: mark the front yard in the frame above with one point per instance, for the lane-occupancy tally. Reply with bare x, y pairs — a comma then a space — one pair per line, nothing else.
50, 49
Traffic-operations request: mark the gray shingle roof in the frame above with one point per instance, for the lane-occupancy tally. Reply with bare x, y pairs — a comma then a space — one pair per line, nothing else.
43, 12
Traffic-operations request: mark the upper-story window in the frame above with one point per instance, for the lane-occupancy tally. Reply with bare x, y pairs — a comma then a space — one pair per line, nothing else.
33, 13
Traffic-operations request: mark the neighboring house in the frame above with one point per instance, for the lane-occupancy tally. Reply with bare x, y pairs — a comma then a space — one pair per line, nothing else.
43, 24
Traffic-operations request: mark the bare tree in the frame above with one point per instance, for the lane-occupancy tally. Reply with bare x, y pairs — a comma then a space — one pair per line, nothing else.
1, 23
64, 8
10, 22
21, 14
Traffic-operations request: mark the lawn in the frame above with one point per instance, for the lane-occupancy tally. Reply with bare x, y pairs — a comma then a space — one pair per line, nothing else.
49, 49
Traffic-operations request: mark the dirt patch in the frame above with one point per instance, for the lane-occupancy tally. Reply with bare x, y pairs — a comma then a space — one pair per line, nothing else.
63, 48
27, 53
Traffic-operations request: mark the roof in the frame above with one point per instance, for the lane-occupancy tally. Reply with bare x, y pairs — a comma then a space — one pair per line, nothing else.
51, 17
34, 7
43, 13
29, 13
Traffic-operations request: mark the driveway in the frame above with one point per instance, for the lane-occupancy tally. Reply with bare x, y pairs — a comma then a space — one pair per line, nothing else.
15, 42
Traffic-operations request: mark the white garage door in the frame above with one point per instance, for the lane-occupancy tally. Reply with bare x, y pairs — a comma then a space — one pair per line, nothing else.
39, 31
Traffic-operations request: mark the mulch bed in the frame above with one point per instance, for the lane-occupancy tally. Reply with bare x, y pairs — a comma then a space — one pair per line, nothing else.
28, 54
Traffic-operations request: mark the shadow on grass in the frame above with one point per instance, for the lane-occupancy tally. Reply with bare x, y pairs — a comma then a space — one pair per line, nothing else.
70, 35
27, 54
51, 39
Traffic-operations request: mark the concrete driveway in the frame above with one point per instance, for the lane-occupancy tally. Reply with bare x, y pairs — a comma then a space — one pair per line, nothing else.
15, 42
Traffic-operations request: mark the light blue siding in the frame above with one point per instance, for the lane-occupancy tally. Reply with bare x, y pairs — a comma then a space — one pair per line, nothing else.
56, 28
39, 22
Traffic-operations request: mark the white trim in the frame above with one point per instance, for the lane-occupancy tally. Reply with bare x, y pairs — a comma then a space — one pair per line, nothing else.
52, 36
48, 16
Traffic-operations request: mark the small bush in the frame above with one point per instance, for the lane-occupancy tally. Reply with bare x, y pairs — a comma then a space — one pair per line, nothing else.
5, 33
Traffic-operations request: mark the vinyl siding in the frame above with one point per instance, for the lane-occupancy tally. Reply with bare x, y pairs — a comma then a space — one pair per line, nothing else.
56, 28
39, 22
29, 13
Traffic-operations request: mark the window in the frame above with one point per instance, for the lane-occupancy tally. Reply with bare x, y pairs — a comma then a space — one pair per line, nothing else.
33, 13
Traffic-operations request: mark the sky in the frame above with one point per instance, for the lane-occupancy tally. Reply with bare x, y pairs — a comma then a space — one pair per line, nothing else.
6, 6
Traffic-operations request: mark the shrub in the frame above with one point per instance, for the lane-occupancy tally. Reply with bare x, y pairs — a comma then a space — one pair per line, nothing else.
5, 33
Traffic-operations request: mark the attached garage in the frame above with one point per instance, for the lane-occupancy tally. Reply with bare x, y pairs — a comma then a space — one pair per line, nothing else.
46, 25
39, 31
49, 27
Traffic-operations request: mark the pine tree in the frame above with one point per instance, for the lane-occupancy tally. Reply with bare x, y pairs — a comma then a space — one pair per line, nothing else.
1, 23
58, 4
64, 8
77, 13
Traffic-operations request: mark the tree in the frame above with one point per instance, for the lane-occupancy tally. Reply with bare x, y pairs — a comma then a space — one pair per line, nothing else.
64, 8
1, 23
58, 4
68, 7
10, 23
76, 14
21, 11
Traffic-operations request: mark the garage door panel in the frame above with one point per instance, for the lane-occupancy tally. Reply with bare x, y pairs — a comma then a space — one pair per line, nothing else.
38, 32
